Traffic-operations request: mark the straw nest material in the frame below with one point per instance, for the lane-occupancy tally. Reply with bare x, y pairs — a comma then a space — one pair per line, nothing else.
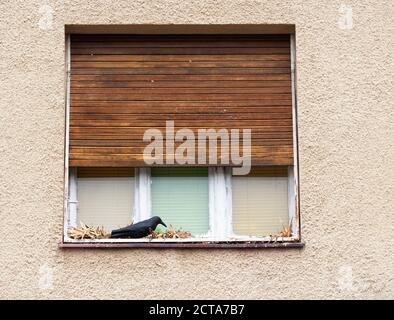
286, 231
86, 232
170, 233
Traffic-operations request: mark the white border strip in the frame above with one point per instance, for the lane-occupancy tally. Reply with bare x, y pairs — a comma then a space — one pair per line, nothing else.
297, 217
291, 199
220, 202
194, 240
67, 139
73, 198
142, 195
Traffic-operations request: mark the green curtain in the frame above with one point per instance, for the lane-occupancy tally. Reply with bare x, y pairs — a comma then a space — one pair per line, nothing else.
180, 198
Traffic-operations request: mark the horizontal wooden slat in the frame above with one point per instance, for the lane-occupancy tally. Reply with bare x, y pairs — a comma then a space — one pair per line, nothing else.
180, 58
183, 51
177, 37
183, 91
136, 159
122, 85
138, 131
174, 112
194, 104
139, 142
181, 71
177, 77
139, 156
181, 116
208, 123
137, 149
138, 162
138, 135
176, 97
178, 64
178, 84
182, 44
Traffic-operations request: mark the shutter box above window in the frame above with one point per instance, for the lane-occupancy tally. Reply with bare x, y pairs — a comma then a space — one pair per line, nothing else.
122, 85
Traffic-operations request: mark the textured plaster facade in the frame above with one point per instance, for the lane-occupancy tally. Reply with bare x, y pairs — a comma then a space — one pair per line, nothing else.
346, 145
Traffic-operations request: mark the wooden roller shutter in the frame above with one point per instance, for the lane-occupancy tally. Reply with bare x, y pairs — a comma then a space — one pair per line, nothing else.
122, 85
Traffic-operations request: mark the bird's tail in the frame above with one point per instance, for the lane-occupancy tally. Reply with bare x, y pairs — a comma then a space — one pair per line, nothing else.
119, 235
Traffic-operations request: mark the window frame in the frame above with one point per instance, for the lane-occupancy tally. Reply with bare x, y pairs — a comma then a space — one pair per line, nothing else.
219, 202
142, 201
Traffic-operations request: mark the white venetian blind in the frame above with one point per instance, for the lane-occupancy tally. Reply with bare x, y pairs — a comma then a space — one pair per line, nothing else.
260, 202
105, 197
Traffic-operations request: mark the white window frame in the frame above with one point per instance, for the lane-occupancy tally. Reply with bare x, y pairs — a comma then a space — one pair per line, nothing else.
220, 190
220, 206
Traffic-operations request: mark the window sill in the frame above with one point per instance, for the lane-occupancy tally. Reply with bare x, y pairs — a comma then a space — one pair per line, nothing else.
180, 244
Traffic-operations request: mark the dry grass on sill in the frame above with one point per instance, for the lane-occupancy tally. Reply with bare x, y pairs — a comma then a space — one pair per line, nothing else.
94, 233
170, 233
86, 232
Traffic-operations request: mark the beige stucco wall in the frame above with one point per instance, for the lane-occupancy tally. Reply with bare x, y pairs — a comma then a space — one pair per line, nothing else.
346, 141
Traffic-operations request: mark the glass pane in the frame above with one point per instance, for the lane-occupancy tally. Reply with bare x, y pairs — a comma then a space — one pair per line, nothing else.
180, 198
105, 201
260, 204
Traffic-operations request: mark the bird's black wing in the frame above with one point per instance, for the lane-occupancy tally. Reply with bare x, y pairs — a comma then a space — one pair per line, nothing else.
122, 230
134, 231
139, 230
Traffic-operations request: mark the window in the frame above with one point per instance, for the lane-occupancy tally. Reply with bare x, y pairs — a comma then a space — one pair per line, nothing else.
180, 196
130, 92
105, 197
212, 204
260, 201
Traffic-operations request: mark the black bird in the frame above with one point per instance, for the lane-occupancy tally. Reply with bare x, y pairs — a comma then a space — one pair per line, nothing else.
139, 230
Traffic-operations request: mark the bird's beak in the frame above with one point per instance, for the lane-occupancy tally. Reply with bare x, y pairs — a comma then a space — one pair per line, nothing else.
161, 222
